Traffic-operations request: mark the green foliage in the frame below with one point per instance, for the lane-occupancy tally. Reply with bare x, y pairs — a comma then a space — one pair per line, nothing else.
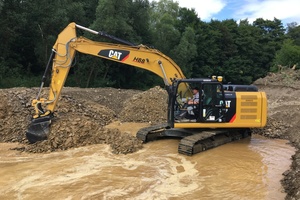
187, 18
271, 39
112, 16
1, 5
163, 21
186, 51
14, 77
294, 33
127, 20
241, 52
24, 81
288, 55
140, 21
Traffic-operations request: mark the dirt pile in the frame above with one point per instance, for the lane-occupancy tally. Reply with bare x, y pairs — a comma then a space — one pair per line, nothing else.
15, 113
287, 78
283, 92
79, 121
81, 117
273, 129
111, 98
149, 106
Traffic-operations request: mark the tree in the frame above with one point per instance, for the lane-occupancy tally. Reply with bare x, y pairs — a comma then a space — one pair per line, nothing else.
187, 18
1, 5
271, 39
140, 21
249, 52
207, 50
293, 32
241, 52
288, 55
186, 51
163, 21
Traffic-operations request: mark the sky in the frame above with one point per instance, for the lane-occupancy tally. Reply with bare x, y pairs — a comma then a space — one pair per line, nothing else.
286, 10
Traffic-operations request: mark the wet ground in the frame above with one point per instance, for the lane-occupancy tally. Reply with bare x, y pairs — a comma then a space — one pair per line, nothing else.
247, 169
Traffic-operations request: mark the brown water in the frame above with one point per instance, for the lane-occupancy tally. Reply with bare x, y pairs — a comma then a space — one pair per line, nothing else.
246, 169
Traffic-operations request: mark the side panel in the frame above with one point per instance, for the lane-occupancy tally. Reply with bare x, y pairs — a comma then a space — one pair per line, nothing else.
251, 109
243, 110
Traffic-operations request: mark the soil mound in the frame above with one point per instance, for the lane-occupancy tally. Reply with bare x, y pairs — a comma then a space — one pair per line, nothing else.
287, 78
15, 113
79, 121
150, 106
81, 116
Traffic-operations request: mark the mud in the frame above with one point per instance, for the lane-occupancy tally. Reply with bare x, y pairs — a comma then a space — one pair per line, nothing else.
82, 116
283, 92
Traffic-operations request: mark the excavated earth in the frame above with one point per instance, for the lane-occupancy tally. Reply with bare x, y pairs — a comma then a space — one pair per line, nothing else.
82, 115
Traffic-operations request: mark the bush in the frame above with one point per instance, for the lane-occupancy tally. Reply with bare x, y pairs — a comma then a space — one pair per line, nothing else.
288, 55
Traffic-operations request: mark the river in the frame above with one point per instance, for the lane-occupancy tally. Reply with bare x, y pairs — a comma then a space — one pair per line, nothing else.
247, 169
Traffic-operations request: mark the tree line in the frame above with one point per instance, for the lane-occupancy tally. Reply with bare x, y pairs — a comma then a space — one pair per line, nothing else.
240, 51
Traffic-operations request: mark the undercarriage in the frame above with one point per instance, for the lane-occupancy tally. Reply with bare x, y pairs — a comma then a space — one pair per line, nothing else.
193, 141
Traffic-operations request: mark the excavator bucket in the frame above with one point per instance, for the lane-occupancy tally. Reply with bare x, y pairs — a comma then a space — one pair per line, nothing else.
38, 129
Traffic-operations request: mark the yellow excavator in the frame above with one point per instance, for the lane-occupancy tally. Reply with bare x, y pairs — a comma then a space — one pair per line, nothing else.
223, 113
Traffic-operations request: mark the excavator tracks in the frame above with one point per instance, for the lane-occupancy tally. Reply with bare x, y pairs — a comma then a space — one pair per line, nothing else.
193, 141
152, 133
205, 140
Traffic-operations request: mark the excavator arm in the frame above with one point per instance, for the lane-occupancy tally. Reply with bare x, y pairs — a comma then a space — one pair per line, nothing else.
63, 53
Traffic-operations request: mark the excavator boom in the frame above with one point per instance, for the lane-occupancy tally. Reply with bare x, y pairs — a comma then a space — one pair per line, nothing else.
63, 53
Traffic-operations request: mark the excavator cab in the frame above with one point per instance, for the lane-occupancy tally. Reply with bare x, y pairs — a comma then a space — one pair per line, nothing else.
211, 106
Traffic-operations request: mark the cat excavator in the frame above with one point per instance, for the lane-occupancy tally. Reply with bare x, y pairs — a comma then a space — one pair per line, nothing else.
220, 116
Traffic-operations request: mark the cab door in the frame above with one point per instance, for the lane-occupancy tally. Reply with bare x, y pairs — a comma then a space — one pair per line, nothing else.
212, 105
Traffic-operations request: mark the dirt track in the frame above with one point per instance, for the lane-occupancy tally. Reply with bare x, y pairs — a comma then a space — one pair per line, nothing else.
82, 115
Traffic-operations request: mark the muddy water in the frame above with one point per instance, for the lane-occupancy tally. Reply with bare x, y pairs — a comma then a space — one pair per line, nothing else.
247, 169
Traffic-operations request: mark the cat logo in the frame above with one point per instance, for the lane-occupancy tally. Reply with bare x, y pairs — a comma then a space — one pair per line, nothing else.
120, 55
227, 103
114, 54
